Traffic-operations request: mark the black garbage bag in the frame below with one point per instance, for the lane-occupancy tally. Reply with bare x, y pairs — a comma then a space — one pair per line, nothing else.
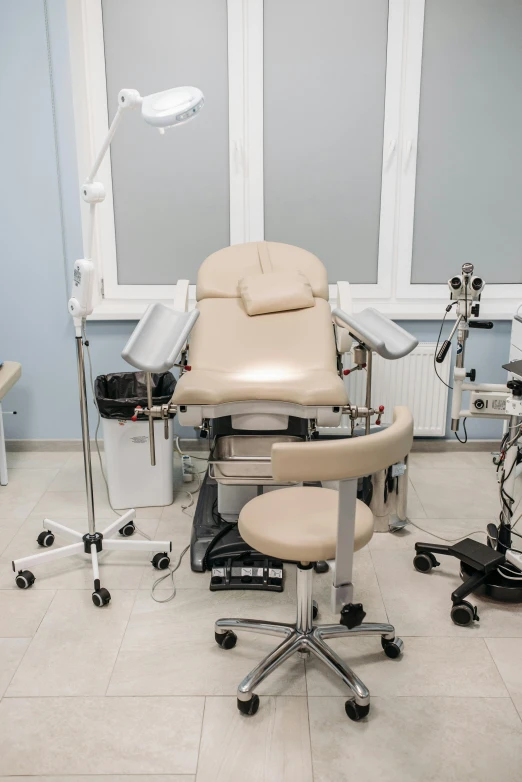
119, 393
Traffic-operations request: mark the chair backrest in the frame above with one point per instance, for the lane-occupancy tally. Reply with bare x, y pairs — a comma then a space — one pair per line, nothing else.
219, 274
355, 457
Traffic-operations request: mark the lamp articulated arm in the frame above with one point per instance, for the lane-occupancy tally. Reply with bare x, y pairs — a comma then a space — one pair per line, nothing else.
84, 273
161, 110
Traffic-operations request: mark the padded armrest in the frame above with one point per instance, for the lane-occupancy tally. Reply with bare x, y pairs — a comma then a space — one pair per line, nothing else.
378, 332
159, 338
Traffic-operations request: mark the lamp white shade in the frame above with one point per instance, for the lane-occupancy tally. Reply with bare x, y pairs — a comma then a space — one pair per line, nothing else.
172, 107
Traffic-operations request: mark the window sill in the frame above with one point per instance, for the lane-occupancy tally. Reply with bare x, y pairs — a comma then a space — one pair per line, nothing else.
413, 309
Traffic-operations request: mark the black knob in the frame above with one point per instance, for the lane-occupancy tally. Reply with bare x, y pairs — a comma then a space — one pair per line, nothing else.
515, 386
472, 374
352, 615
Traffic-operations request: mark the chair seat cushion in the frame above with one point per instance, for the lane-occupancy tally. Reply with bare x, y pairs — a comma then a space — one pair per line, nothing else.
280, 357
299, 523
10, 372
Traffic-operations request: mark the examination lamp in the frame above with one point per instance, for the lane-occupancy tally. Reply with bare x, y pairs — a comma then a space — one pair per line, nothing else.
161, 110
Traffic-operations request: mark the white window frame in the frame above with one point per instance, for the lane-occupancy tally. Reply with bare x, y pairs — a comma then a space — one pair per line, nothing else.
393, 294
500, 301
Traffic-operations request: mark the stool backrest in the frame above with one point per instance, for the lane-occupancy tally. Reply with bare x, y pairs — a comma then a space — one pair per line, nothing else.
350, 457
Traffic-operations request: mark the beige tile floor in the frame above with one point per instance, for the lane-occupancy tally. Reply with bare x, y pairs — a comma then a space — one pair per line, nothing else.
139, 690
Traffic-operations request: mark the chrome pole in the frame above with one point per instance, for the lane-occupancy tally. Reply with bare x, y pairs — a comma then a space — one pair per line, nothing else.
85, 435
368, 387
151, 420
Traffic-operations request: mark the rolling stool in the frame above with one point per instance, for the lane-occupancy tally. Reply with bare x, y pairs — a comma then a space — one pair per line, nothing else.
304, 525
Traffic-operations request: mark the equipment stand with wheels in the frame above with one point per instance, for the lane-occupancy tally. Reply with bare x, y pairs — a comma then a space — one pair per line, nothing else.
161, 110
92, 542
496, 568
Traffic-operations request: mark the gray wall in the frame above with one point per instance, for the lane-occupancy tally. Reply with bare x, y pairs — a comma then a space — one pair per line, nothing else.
34, 324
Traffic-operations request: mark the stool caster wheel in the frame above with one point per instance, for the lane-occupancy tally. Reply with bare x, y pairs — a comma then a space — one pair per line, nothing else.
393, 648
321, 566
226, 640
464, 614
101, 597
315, 609
356, 712
24, 579
161, 561
45, 539
127, 530
249, 708
425, 562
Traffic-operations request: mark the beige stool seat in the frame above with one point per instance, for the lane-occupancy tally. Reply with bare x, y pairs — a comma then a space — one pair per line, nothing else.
299, 524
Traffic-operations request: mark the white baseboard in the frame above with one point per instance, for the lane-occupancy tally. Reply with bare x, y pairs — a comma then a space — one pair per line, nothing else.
434, 445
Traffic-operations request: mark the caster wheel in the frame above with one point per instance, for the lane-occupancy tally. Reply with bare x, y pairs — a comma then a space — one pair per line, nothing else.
424, 563
226, 640
249, 708
464, 614
127, 530
315, 609
321, 567
161, 561
392, 649
356, 712
45, 538
101, 597
24, 579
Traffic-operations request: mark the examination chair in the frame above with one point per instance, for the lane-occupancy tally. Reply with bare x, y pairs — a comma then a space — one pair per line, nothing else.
306, 524
261, 361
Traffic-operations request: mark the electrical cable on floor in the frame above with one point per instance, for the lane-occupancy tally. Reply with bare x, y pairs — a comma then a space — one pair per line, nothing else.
448, 540
171, 570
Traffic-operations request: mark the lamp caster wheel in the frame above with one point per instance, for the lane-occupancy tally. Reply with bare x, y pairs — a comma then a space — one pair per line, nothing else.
127, 530
45, 539
24, 579
424, 563
101, 597
249, 708
161, 561
321, 566
315, 609
393, 648
226, 640
356, 712
464, 614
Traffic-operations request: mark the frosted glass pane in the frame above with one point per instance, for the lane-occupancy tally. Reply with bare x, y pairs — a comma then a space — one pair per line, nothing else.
469, 169
324, 83
171, 192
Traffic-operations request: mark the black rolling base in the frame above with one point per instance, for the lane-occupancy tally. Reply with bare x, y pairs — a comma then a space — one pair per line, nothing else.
479, 572
496, 586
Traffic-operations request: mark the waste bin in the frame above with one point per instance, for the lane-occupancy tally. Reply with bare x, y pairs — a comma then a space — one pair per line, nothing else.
133, 481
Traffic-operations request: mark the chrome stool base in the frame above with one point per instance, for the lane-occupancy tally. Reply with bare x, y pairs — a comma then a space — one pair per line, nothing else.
306, 638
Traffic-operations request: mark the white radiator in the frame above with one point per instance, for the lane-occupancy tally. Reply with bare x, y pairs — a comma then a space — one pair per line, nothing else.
409, 381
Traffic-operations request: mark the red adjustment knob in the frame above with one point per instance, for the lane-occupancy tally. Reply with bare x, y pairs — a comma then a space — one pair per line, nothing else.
381, 408
363, 366
378, 422
346, 371
135, 416
187, 368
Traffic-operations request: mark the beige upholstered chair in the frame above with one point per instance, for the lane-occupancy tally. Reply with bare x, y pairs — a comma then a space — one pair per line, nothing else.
306, 524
